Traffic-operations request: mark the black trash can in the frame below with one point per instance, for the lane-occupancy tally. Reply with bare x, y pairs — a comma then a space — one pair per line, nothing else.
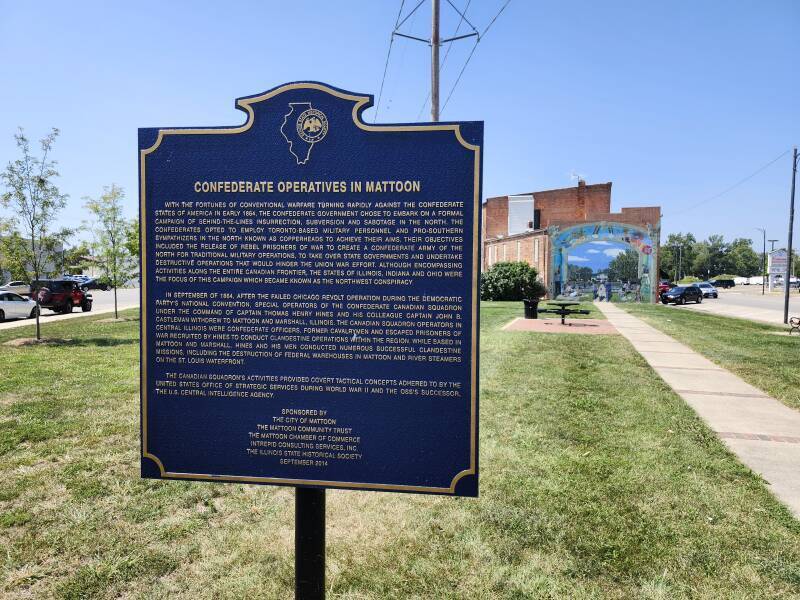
531, 309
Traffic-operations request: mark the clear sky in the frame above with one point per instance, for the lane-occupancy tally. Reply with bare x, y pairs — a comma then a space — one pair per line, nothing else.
672, 101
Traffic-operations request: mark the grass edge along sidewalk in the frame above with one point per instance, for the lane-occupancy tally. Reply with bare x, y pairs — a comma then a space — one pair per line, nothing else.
764, 355
598, 483
761, 431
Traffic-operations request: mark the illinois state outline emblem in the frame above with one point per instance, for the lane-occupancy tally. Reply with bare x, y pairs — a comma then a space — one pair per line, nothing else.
303, 131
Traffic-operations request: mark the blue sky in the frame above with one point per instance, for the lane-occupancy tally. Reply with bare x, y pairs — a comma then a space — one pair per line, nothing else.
674, 102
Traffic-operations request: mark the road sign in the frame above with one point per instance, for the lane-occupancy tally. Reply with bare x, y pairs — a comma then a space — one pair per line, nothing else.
310, 298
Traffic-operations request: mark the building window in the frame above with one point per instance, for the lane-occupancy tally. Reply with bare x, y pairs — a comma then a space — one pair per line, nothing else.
519, 250
536, 252
505, 252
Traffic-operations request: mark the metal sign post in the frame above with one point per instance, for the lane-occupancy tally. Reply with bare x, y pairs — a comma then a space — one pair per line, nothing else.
309, 543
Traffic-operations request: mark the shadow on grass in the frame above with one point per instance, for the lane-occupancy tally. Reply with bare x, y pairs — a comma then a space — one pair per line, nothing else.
79, 342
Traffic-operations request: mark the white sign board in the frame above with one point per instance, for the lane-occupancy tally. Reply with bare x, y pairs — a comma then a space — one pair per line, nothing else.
777, 262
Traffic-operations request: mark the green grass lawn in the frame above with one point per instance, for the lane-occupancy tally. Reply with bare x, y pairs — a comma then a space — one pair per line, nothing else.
751, 350
597, 482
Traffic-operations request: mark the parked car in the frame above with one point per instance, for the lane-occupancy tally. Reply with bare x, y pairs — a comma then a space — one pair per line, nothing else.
723, 283
17, 287
665, 286
61, 295
681, 294
709, 291
92, 283
88, 283
14, 306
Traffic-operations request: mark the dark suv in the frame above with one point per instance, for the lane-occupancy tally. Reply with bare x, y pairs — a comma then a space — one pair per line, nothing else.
60, 295
723, 283
681, 294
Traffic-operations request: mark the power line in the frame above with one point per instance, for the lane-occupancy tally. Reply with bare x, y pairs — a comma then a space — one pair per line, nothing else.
388, 54
472, 52
731, 188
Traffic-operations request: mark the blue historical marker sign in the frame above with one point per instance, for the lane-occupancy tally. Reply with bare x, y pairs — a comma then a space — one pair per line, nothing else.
309, 298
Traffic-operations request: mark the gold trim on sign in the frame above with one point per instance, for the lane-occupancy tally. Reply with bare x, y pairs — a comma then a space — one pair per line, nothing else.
246, 105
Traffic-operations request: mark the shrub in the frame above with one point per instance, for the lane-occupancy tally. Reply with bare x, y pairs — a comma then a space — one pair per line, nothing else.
511, 281
690, 279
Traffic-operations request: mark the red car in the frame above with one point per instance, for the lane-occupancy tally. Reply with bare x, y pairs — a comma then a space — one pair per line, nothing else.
60, 295
664, 286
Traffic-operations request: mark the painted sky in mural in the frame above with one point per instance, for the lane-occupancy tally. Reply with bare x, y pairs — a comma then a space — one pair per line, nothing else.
595, 255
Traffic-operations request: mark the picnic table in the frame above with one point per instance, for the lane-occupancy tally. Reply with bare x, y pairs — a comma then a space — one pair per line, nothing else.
564, 308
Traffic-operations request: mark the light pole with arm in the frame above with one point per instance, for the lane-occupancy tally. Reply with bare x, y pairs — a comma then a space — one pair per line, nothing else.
763, 257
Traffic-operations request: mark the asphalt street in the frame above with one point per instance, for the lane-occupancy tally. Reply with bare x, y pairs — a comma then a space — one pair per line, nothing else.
746, 302
102, 302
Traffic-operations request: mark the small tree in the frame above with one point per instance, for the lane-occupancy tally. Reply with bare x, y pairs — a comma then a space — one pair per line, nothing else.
132, 238
511, 281
35, 202
110, 228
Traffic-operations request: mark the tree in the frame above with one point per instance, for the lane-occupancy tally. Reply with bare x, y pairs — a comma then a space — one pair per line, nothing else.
132, 237
677, 254
35, 201
75, 258
624, 266
12, 255
710, 256
741, 259
110, 228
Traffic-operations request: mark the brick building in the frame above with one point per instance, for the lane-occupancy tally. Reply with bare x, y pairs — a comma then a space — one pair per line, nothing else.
540, 215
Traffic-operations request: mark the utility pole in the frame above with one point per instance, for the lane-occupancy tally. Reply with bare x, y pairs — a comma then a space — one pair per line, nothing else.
787, 278
772, 249
435, 42
676, 266
763, 258
435, 60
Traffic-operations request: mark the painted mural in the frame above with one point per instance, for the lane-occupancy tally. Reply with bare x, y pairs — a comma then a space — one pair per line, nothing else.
603, 238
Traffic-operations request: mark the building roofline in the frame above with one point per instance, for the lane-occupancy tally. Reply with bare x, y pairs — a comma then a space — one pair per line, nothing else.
572, 187
516, 235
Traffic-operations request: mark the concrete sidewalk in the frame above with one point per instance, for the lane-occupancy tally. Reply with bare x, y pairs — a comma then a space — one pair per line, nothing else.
761, 431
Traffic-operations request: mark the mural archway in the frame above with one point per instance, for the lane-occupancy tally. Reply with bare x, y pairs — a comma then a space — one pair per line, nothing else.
643, 240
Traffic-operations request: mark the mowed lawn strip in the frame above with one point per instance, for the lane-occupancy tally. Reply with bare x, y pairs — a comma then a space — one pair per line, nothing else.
751, 350
597, 482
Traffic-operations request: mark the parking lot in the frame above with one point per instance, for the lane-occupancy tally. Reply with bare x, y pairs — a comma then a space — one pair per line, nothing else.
102, 302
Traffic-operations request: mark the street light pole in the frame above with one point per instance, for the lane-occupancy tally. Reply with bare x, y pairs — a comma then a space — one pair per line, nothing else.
787, 278
772, 248
763, 257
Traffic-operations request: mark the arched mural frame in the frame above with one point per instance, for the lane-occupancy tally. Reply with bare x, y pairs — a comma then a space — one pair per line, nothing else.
644, 240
